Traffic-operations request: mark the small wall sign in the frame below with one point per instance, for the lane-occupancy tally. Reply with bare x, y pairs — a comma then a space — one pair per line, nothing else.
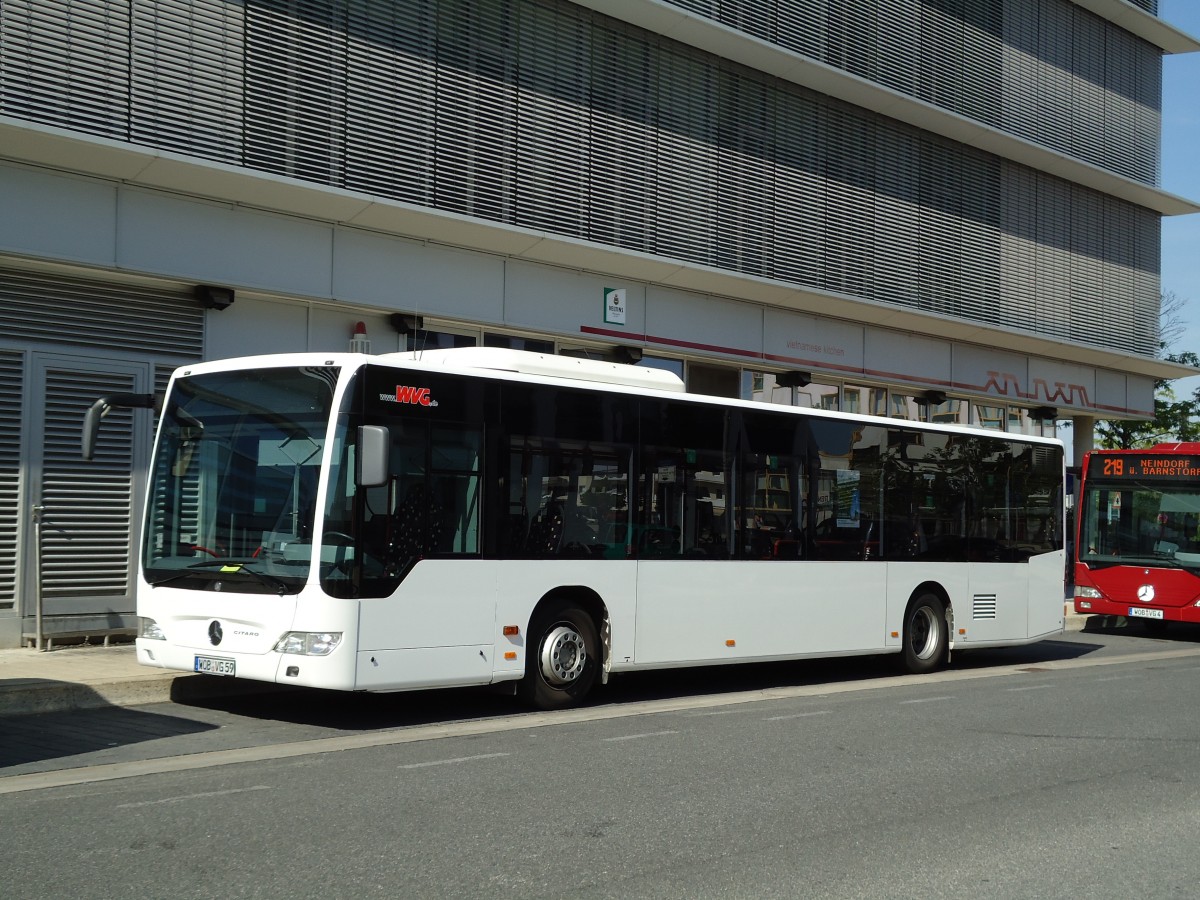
614, 306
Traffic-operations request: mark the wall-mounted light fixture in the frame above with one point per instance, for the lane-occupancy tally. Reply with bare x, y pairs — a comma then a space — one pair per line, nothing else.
933, 398
212, 297
406, 323
1043, 413
793, 379
628, 355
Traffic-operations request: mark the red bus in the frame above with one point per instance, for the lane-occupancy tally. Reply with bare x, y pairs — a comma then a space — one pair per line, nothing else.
1137, 551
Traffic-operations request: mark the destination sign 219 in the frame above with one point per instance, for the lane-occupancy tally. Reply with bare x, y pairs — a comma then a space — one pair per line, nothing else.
1144, 466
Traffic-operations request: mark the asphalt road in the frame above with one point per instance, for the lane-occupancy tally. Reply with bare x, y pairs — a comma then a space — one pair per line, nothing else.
1053, 771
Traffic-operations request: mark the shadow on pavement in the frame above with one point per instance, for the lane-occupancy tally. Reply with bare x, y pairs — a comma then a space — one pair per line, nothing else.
59, 735
364, 712
1171, 632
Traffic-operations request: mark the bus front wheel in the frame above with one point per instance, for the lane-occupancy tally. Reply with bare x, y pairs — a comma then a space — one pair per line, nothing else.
562, 658
926, 637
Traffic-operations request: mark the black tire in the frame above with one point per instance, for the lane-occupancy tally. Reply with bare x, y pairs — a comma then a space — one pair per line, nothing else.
926, 637
562, 659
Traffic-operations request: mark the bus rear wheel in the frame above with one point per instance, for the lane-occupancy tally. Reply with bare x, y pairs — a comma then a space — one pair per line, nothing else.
562, 658
926, 637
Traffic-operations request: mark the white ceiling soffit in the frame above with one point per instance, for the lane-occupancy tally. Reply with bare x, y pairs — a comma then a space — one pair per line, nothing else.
49, 147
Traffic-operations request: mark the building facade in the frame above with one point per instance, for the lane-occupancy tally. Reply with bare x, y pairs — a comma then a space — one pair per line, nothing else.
937, 209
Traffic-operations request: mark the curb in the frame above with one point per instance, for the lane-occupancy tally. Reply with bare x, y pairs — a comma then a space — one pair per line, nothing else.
33, 697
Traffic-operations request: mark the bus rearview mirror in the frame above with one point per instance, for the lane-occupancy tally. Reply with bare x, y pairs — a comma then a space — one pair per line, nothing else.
374, 445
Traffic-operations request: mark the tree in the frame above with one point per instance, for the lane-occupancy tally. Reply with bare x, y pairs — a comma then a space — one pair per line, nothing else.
1174, 419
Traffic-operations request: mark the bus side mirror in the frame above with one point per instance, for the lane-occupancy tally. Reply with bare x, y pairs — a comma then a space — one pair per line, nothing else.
102, 407
374, 448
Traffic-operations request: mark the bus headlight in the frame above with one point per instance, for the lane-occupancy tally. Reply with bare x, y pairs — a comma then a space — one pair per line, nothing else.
1087, 593
148, 629
309, 643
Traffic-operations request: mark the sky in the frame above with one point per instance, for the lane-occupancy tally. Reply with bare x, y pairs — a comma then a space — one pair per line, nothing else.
1181, 176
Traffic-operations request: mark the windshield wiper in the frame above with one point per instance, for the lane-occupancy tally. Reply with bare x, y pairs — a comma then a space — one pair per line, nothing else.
276, 584
1107, 562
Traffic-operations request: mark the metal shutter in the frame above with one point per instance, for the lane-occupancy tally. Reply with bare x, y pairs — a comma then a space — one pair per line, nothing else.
41, 308
87, 537
11, 390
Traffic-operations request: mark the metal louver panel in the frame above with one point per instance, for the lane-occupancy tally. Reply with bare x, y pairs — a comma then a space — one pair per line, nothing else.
686, 186
295, 85
545, 115
1048, 70
476, 108
983, 606
69, 311
553, 119
66, 63
624, 67
11, 367
86, 537
186, 72
390, 98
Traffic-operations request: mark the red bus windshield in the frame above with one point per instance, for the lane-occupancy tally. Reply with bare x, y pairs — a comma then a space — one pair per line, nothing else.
1141, 508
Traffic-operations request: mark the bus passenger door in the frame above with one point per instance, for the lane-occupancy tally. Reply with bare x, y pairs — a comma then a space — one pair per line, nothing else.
436, 626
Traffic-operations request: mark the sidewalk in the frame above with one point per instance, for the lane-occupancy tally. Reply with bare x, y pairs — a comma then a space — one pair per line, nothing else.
89, 677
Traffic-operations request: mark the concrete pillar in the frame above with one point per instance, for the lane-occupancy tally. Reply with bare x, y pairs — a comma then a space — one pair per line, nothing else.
1082, 437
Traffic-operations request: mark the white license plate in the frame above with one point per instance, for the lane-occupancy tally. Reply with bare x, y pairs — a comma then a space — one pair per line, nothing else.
1137, 612
215, 665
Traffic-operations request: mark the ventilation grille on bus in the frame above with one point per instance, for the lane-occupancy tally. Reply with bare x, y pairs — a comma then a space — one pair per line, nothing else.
983, 606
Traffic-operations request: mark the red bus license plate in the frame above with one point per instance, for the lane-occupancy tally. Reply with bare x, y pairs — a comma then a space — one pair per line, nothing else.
1138, 612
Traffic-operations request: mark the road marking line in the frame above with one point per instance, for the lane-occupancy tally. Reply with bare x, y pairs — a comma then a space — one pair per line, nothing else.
36, 781
1032, 687
449, 762
638, 737
186, 797
925, 700
819, 712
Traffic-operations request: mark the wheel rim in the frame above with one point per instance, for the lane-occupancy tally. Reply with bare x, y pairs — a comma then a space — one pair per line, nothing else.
563, 655
923, 633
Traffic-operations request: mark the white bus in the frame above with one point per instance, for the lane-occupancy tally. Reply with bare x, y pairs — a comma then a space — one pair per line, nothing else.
482, 516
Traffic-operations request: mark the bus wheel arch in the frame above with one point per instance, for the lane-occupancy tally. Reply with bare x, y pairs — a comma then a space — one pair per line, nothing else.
928, 625
566, 648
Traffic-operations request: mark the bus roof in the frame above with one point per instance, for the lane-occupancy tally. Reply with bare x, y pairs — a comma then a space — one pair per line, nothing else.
525, 362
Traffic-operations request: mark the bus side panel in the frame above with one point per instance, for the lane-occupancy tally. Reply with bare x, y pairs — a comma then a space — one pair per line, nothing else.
1047, 593
436, 630
996, 607
691, 611
902, 582
521, 584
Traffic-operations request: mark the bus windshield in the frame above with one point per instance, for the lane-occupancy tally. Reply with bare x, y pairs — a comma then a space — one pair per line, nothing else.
1141, 523
233, 489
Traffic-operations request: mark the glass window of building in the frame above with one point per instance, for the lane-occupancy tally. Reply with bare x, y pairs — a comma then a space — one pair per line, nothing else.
674, 366
871, 401
428, 339
905, 407
819, 396
717, 381
948, 412
991, 417
765, 388
515, 342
